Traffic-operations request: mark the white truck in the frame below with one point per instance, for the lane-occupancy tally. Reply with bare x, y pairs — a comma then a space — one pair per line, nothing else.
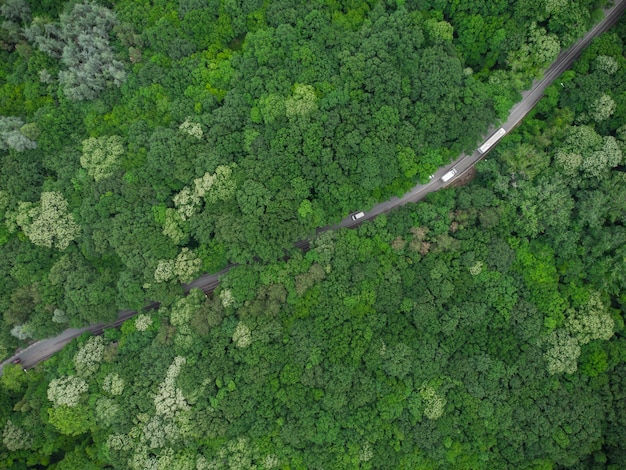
449, 175
491, 141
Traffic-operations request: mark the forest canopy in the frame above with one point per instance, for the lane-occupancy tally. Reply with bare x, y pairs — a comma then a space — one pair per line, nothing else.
144, 143
482, 328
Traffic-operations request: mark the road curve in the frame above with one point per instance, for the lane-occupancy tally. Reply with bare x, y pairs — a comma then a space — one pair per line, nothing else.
43, 349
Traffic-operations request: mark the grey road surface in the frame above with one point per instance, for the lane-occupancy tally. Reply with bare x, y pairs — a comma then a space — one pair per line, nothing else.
43, 349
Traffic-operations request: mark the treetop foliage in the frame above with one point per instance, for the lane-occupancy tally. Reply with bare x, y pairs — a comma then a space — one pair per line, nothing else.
143, 143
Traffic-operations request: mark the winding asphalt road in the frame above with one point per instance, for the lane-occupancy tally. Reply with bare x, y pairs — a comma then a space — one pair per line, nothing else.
43, 349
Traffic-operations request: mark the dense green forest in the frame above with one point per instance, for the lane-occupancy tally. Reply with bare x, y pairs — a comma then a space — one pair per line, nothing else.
143, 143
481, 329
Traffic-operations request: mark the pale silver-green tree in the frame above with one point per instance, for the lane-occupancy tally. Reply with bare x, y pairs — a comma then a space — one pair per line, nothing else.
15, 438
365, 454
66, 390
89, 356
87, 54
477, 268
158, 431
113, 384
101, 156
213, 187
237, 454
602, 108
48, 223
562, 353
302, 101
143, 459
47, 36
22, 332
12, 135
59, 316
16, 11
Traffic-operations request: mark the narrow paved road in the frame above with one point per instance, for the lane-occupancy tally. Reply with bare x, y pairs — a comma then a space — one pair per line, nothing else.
43, 349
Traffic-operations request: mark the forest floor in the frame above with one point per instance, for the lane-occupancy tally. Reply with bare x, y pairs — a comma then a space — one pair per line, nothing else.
465, 178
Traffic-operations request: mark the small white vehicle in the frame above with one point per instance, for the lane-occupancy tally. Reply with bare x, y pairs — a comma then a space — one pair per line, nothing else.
358, 215
449, 175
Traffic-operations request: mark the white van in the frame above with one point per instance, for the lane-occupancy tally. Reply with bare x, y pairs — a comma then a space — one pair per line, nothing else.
449, 175
358, 215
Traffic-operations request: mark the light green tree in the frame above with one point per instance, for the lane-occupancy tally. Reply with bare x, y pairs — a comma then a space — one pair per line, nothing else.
15, 438
101, 156
143, 322
434, 403
602, 108
13, 377
607, 64
106, 411
538, 50
242, 337
269, 109
609, 155
568, 162
89, 356
186, 265
113, 384
172, 226
67, 390
438, 31
562, 353
591, 321
302, 101
191, 128
71, 420
48, 223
